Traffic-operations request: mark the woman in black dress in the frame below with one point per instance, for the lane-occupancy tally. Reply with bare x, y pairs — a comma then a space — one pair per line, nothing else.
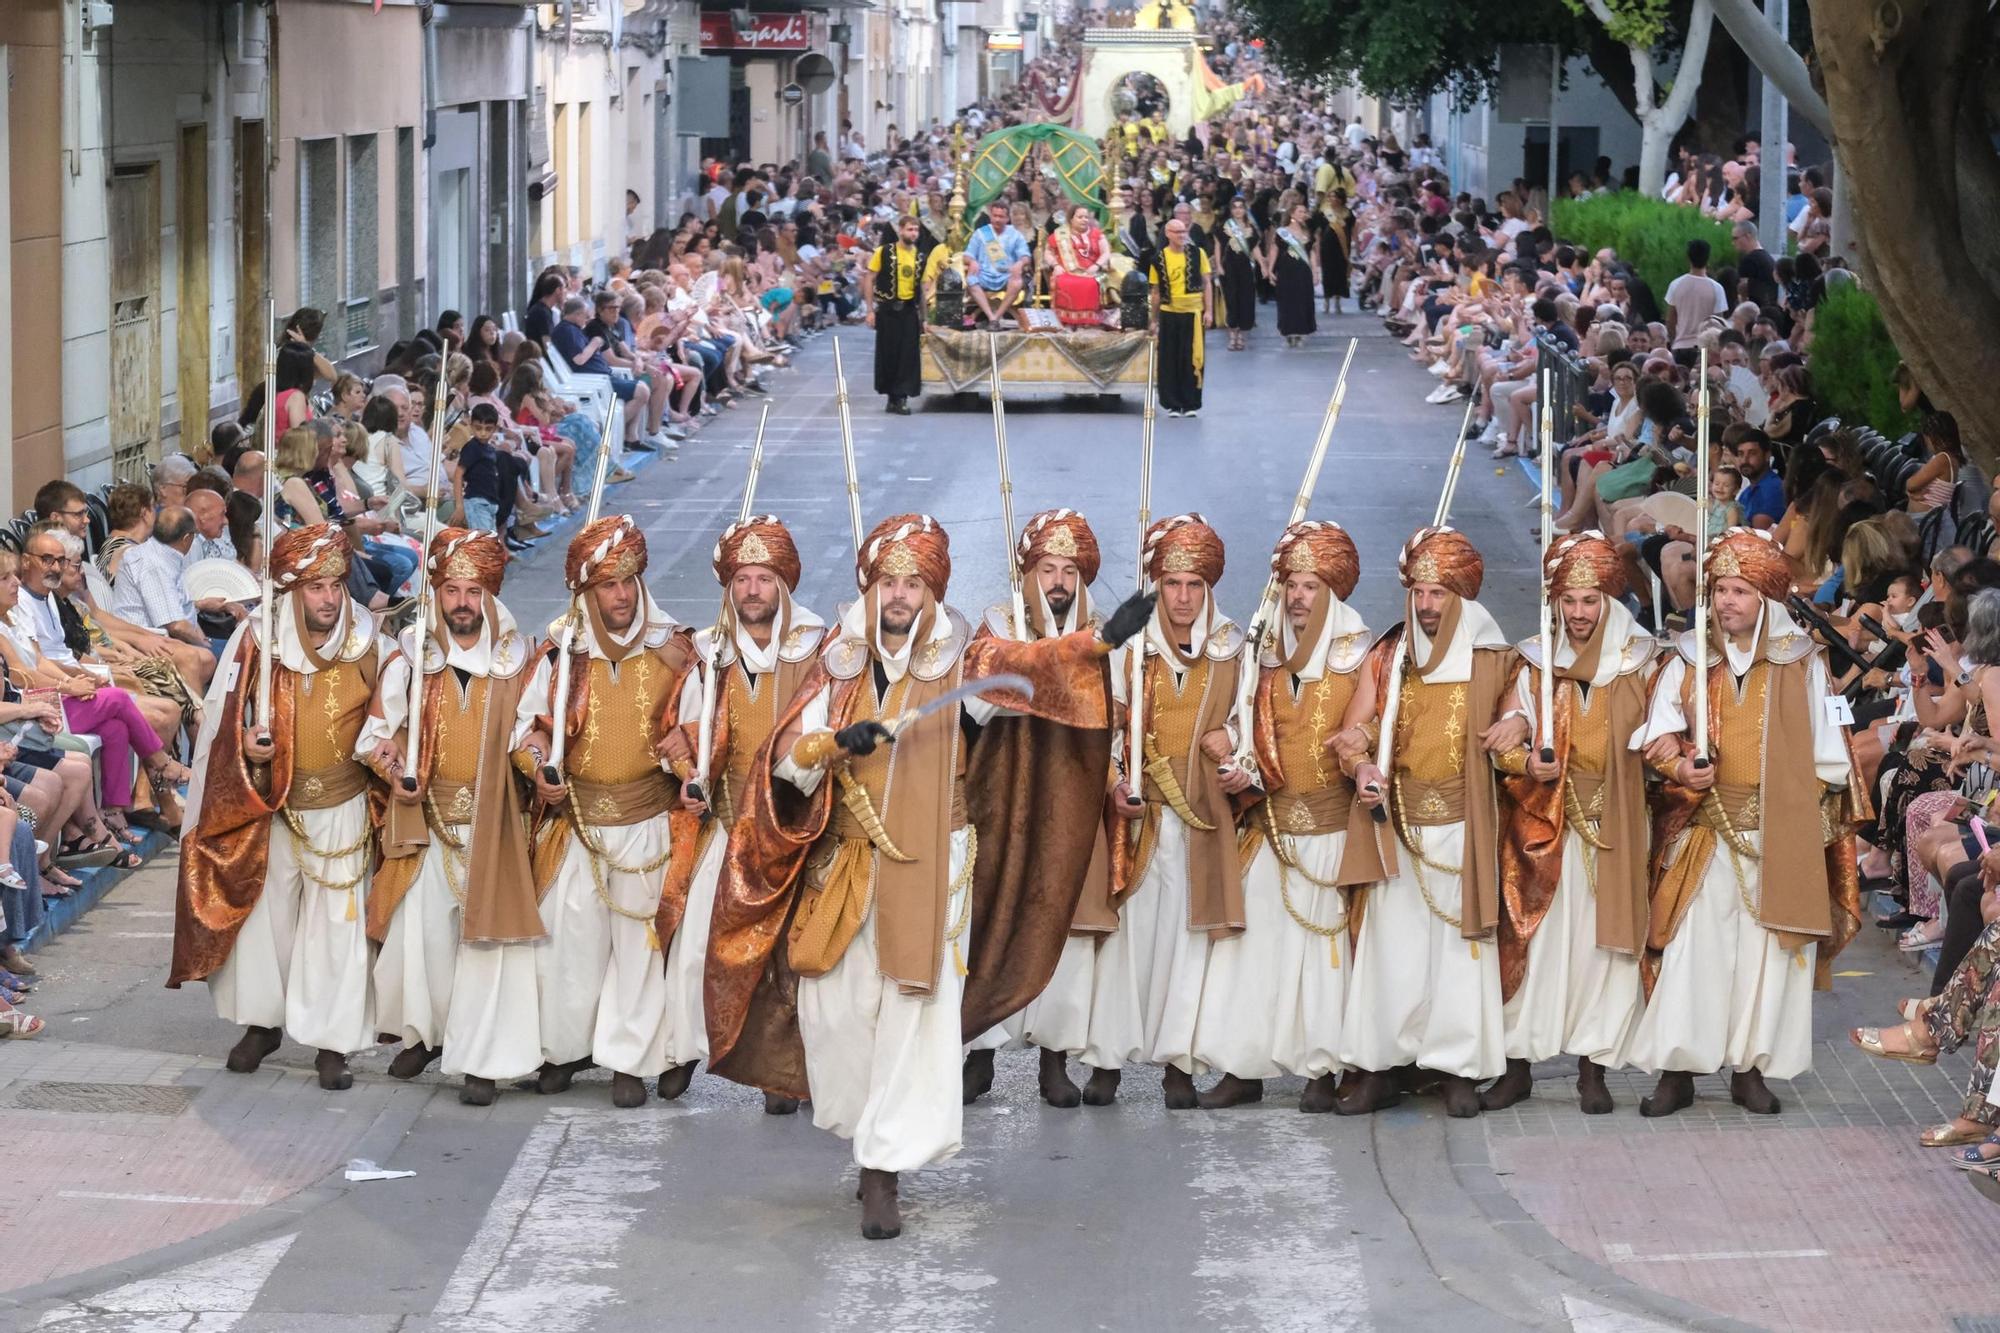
1238, 246
1292, 265
1333, 230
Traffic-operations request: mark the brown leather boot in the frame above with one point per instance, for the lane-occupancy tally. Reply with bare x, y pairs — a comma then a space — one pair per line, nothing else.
881, 1215
627, 1091
976, 1077
477, 1091
412, 1060
1510, 1087
15, 961
675, 1081
1461, 1096
1318, 1097
1674, 1092
776, 1105
1178, 1086
1747, 1089
334, 1075
1366, 1092
1592, 1097
1057, 1089
1102, 1087
251, 1048
556, 1078
1229, 1091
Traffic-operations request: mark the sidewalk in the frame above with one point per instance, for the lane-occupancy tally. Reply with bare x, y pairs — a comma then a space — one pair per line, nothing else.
114, 1153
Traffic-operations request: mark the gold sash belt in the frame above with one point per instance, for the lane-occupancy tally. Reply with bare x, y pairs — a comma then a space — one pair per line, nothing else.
1427, 804
1739, 806
1304, 813
614, 804
452, 801
328, 787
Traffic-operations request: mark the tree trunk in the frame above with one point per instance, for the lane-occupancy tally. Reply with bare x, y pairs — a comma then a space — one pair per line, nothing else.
1907, 91
1655, 137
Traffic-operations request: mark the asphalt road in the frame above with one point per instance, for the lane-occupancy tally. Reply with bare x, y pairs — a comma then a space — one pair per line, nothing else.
560, 1214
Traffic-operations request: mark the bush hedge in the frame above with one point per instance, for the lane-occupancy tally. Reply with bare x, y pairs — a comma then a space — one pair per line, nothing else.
1853, 360
1651, 235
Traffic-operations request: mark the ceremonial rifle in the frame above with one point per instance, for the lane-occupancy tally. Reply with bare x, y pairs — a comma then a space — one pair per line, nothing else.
420, 638
267, 646
1135, 693
847, 448
1547, 624
705, 728
1015, 574
1385, 742
1701, 567
614, 417
1260, 624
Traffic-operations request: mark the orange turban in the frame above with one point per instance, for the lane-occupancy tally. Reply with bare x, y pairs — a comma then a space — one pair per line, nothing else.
760, 540
316, 551
1184, 544
1586, 560
1442, 556
607, 550
906, 544
1064, 533
1314, 546
461, 553
1754, 557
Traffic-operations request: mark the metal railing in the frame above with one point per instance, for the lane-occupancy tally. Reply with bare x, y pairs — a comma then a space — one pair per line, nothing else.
1569, 380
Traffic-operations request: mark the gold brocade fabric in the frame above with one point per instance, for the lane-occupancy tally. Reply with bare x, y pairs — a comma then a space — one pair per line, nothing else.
1739, 743
1430, 731
1173, 718
1094, 360
331, 705
1590, 733
617, 741
1424, 804
457, 735
1305, 722
751, 712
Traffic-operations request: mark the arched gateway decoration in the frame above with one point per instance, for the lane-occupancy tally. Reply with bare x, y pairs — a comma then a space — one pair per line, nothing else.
1001, 154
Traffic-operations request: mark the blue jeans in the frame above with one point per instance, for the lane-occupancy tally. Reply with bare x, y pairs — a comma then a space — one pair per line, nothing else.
22, 906
623, 385
481, 515
402, 561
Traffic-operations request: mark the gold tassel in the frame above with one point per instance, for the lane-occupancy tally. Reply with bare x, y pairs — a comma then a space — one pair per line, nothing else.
1475, 951
652, 937
957, 958
350, 905
1335, 942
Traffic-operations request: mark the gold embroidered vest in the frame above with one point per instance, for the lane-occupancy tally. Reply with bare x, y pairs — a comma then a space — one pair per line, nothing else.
616, 745
1171, 718
1316, 796
330, 706
1430, 751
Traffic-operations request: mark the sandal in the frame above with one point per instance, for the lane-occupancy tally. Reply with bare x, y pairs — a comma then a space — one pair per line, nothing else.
1974, 1158
1870, 1040
131, 860
1913, 1009
1918, 937
61, 878
1949, 1135
98, 852
14, 1023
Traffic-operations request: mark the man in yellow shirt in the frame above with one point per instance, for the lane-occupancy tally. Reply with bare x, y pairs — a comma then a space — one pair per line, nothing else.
892, 289
1183, 305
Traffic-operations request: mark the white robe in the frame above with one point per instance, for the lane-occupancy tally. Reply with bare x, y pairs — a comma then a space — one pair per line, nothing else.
1728, 993
1420, 993
301, 959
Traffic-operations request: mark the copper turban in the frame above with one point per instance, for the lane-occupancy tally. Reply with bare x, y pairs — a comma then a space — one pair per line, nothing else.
1315, 546
1443, 556
1184, 544
607, 550
906, 544
762, 539
1063, 533
316, 551
461, 553
1586, 560
1754, 557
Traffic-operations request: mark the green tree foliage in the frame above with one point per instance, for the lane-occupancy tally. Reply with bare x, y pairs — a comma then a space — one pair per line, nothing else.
1853, 360
1406, 50
1649, 234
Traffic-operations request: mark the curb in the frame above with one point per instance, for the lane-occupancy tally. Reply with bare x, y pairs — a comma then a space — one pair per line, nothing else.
59, 914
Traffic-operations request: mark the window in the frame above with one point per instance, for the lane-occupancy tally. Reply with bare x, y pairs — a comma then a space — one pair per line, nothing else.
363, 247
559, 142
319, 234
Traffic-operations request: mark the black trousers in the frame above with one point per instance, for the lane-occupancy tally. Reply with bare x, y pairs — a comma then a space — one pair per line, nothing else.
513, 471
1180, 381
1962, 922
899, 332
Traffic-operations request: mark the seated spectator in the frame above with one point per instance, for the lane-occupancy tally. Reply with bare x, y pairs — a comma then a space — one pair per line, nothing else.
128, 514
208, 499
148, 590
247, 473
170, 478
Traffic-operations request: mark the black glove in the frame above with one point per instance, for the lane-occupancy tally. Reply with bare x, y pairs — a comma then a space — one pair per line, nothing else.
1129, 619
862, 737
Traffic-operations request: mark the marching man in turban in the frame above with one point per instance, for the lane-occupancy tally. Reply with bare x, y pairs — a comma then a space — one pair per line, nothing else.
602, 984
1573, 845
1425, 989
453, 903
838, 952
1038, 785
748, 668
277, 844
1273, 999
1736, 936
1176, 881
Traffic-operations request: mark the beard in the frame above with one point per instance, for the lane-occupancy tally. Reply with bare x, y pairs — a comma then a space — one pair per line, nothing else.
465, 623
755, 612
898, 619
1060, 600
1429, 623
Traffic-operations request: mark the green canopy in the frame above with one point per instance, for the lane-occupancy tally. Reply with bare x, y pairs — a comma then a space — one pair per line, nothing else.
1079, 166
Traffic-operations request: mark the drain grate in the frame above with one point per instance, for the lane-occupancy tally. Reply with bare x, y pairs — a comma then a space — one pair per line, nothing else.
102, 1098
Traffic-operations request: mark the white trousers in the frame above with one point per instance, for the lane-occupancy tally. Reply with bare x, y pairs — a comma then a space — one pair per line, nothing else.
687, 958
1728, 993
1059, 1018
884, 1066
601, 985
493, 1030
1146, 987
413, 971
1275, 995
301, 960
1420, 993
1575, 998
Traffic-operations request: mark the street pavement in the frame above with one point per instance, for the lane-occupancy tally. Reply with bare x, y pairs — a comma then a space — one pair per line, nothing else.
151, 1190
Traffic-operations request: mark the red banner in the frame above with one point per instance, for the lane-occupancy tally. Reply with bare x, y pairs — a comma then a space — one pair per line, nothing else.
768, 32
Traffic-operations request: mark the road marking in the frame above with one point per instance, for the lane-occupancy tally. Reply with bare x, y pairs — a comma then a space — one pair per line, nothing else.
1586, 1317
256, 1198
1624, 1254
220, 1291
143, 934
